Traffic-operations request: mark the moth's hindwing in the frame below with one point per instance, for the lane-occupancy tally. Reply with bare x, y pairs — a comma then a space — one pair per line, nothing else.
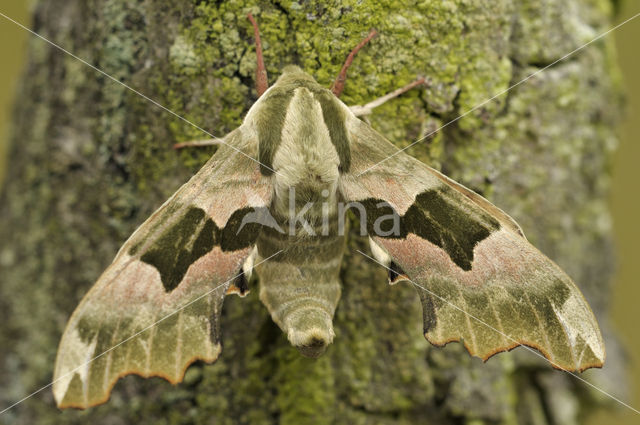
479, 279
156, 309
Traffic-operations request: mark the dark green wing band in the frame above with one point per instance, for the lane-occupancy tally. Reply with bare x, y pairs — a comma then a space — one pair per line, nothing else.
441, 216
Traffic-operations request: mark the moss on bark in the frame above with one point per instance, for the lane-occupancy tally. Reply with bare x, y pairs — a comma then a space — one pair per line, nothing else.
90, 160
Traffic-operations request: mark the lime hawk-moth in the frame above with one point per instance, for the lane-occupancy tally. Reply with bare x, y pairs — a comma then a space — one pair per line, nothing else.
272, 198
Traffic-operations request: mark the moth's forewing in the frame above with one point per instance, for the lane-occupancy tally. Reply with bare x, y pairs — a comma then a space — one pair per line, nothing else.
479, 279
156, 309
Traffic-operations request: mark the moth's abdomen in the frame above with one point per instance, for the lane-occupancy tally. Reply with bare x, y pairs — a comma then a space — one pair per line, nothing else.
300, 287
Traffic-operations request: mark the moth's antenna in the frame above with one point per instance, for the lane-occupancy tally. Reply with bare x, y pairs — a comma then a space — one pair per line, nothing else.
261, 72
338, 85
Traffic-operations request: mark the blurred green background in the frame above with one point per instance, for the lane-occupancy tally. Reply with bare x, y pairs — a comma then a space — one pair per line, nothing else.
625, 202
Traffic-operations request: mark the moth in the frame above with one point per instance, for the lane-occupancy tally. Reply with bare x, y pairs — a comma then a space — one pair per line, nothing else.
270, 201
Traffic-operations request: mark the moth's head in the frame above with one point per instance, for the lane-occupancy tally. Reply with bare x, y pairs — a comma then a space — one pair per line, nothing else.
292, 78
291, 73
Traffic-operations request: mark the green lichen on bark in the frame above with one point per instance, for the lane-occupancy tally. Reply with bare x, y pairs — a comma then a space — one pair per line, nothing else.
91, 159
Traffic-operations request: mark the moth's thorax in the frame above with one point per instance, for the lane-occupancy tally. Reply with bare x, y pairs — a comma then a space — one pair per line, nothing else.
306, 162
303, 141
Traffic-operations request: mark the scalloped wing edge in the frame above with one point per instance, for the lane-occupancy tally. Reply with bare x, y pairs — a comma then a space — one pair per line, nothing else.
114, 381
529, 346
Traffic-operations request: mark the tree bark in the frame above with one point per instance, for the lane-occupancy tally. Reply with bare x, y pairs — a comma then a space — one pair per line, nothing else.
90, 160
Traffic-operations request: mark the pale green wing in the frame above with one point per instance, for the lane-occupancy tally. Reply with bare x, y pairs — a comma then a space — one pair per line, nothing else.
479, 279
156, 309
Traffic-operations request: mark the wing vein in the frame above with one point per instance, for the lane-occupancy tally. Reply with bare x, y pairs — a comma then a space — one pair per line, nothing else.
179, 346
566, 334
543, 332
468, 319
105, 381
503, 333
